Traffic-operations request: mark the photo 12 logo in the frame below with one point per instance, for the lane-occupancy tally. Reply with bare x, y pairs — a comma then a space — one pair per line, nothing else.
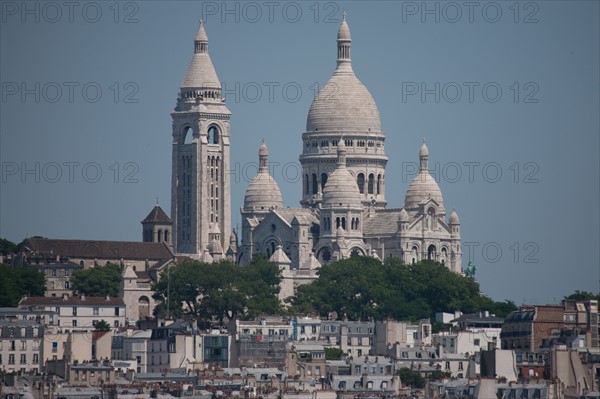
53, 12
271, 11
453, 12
475, 171
68, 172
494, 252
470, 92
69, 92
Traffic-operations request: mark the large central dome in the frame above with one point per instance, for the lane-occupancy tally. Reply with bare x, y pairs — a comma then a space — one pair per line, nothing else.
343, 104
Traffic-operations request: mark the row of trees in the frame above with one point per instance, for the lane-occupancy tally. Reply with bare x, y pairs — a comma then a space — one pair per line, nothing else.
363, 288
215, 291
360, 288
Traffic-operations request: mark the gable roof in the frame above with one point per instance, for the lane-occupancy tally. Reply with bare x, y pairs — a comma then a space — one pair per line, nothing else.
303, 215
384, 222
98, 249
157, 215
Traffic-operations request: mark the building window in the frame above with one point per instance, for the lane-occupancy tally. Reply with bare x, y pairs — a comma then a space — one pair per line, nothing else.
371, 183
67, 272
96, 311
460, 365
447, 365
23, 359
53, 272
360, 180
36, 358
477, 342
74, 323
11, 359
74, 310
117, 310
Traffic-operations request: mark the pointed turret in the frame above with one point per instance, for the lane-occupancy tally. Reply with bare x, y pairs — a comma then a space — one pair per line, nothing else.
201, 79
344, 42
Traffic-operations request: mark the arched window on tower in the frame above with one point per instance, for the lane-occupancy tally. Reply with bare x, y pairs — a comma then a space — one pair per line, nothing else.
344, 223
323, 180
337, 223
315, 184
415, 254
360, 180
213, 135
379, 182
306, 184
159, 238
371, 183
188, 135
167, 236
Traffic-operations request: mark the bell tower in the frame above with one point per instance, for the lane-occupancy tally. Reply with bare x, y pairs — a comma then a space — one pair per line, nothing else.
200, 184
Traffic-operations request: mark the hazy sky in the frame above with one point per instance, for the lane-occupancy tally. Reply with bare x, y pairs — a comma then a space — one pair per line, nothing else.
506, 94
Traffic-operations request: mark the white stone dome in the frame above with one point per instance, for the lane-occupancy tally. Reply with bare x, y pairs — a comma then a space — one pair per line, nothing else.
422, 188
263, 192
454, 218
341, 189
343, 104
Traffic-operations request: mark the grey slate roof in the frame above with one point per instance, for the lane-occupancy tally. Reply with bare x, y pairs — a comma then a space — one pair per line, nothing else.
384, 222
97, 249
157, 215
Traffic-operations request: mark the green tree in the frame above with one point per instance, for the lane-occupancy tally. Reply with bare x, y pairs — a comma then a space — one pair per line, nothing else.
583, 296
333, 353
363, 287
18, 282
215, 291
7, 247
98, 281
102, 325
411, 378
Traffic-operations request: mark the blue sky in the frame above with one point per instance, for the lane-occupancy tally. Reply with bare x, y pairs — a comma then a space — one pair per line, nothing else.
505, 93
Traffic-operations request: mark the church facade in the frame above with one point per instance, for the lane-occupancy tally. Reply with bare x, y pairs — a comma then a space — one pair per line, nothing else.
343, 211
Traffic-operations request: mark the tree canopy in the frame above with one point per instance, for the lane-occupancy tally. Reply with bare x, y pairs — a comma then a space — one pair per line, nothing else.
363, 287
215, 291
7, 247
102, 326
583, 296
98, 281
18, 282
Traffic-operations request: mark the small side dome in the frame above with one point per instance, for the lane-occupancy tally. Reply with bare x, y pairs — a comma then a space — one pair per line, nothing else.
423, 186
403, 217
263, 192
454, 220
341, 189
